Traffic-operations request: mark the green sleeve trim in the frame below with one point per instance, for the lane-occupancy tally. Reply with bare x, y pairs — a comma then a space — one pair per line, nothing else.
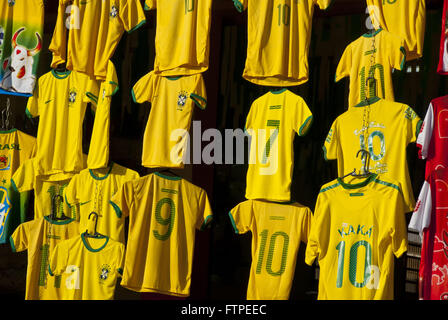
133, 95
198, 99
137, 26
403, 50
11, 242
206, 222
324, 149
419, 127
117, 87
146, 8
120, 271
14, 187
92, 97
307, 124
233, 223
66, 201
238, 5
387, 184
50, 272
330, 188
28, 114
116, 208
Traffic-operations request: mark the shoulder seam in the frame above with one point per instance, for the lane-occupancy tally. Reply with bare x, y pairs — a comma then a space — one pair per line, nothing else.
330, 187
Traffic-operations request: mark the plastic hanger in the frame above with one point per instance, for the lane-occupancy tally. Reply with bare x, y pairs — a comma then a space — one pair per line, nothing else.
95, 233
53, 214
365, 171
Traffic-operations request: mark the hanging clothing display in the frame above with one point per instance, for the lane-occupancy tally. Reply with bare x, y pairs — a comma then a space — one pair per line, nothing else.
45, 190
164, 213
39, 237
357, 229
279, 36
405, 18
15, 148
92, 190
60, 102
272, 122
190, 54
94, 30
442, 68
386, 51
21, 31
92, 266
166, 139
387, 148
277, 232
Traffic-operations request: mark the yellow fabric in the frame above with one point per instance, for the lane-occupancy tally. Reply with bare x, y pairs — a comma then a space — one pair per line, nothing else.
40, 236
405, 18
60, 101
25, 179
92, 191
164, 213
95, 28
279, 35
393, 126
277, 232
356, 63
172, 105
182, 48
353, 218
272, 122
99, 142
91, 267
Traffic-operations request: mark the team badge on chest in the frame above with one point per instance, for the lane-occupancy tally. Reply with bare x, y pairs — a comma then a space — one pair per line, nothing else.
72, 96
182, 100
113, 11
11, 2
104, 274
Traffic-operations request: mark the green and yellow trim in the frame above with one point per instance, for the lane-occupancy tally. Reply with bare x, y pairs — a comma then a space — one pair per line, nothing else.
201, 102
359, 185
94, 176
116, 208
206, 222
238, 5
367, 102
372, 34
86, 244
137, 26
167, 177
305, 128
60, 74
233, 223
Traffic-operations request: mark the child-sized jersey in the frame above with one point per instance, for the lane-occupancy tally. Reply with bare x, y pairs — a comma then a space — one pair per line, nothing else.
405, 18
164, 213
189, 54
92, 190
21, 41
392, 127
91, 267
25, 179
40, 236
388, 53
15, 148
87, 38
279, 35
277, 231
357, 228
60, 102
272, 123
166, 137
430, 219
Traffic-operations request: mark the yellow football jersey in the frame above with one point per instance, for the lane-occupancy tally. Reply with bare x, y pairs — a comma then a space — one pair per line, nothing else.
25, 179
94, 30
15, 148
91, 267
92, 190
405, 18
166, 137
392, 127
356, 63
279, 35
98, 156
39, 237
357, 228
164, 213
60, 101
272, 122
277, 231
189, 54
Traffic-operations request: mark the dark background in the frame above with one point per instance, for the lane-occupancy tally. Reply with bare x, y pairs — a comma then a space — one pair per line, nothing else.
222, 259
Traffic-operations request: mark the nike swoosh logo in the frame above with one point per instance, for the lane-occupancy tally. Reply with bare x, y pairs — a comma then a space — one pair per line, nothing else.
48, 101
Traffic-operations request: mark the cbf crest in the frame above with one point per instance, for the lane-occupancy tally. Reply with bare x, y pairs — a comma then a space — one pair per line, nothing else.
182, 100
104, 273
113, 11
11, 2
72, 95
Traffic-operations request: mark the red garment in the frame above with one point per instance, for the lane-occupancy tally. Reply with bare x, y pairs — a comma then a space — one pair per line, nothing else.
443, 56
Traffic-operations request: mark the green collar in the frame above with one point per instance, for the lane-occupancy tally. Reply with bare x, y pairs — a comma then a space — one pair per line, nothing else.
8, 131
58, 222
86, 244
172, 78
364, 183
372, 34
167, 177
60, 75
367, 102
94, 176
278, 91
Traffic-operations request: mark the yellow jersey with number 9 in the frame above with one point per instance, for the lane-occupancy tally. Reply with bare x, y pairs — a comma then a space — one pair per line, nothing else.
164, 212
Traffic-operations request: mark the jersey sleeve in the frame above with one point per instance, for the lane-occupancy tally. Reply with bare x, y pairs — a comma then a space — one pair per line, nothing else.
32, 106
241, 217
120, 261
344, 65
205, 214
425, 135
123, 199
131, 15
323, 4
319, 231
305, 226
331, 144
144, 89
23, 178
397, 52
250, 119
92, 91
19, 240
421, 217
150, 4
241, 5
199, 94
412, 124
396, 224
71, 191
58, 43
302, 118
58, 260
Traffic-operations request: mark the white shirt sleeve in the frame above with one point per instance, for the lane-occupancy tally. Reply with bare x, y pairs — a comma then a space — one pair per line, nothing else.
421, 218
425, 135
